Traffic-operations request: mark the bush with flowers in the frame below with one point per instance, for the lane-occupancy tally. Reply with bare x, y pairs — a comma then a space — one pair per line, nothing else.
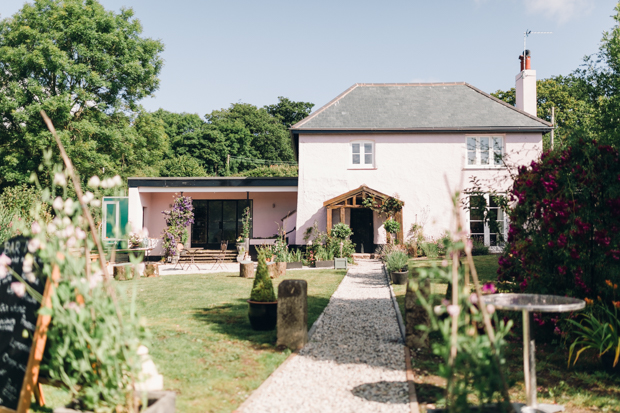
178, 219
95, 332
564, 234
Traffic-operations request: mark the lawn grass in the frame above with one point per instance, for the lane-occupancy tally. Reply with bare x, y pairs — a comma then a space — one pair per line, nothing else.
201, 337
486, 265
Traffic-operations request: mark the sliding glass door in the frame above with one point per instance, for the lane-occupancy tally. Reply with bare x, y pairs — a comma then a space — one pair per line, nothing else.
218, 220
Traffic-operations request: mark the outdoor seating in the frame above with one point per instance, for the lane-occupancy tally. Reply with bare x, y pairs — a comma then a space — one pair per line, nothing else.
182, 252
220, 257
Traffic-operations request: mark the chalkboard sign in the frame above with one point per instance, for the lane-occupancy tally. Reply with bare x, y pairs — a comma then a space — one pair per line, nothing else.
19, 322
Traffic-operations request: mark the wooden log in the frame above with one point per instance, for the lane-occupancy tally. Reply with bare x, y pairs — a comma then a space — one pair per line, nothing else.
292, 314
120, 272
246, 269
280, 269
271, 268
151, 270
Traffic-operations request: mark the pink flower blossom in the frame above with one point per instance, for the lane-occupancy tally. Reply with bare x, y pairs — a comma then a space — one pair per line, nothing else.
489, 288
35, 227
18, 288
454, 310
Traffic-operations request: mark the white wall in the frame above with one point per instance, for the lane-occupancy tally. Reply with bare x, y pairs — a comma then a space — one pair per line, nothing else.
413, 166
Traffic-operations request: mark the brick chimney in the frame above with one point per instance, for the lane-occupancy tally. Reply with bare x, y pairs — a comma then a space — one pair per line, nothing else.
526, 86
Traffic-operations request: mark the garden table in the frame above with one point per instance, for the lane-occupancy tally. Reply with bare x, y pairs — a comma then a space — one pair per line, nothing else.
528, 304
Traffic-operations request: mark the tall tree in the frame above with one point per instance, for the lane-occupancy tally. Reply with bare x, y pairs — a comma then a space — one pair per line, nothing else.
87, 68
289, 112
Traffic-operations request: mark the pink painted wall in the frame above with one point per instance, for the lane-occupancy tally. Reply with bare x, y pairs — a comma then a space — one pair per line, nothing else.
269, 208
413, 166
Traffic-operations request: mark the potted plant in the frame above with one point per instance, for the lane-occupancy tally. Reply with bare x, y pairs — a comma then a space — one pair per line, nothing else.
245, 230
294, 259
263, 306
396, 263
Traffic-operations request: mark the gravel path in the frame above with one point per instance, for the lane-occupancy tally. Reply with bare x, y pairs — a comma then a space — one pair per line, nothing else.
354, 362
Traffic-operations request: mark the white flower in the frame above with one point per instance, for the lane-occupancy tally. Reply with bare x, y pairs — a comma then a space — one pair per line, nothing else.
34, 244
59, 179
454, 310
438, 309
95, 279
490, 308
66, 221
71, 242
51, 228
117, 181
58, 204
69, 231
69, 206
18, 288
96, 203
80, 233
106, 183
73, 306
35, 227
473, 298
88, 196
27, 264
30, 277
94, 181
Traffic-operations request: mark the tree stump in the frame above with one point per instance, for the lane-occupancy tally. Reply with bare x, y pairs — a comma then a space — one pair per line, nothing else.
120, 272
292, 314
271, 268
280, 269
246, 269
415, 313
151, 270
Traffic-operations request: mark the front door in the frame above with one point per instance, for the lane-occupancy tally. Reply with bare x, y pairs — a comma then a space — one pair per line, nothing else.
363, 230
216, 221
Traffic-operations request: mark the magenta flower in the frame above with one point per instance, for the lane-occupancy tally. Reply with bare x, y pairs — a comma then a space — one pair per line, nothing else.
489, 288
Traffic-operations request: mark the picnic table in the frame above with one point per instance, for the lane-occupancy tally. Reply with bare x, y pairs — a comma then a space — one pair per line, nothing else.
528, 304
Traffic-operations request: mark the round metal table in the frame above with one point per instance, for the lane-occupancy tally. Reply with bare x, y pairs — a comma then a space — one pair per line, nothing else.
528, 304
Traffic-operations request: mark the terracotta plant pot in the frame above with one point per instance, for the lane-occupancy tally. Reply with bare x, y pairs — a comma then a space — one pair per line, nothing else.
263, 316
400, 277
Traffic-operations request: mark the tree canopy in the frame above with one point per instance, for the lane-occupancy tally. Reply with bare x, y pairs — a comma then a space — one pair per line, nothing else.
87, 68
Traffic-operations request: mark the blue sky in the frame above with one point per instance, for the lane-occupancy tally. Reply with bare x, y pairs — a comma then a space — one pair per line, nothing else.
221, 52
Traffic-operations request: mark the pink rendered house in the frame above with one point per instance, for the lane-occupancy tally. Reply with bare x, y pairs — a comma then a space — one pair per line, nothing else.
404, 140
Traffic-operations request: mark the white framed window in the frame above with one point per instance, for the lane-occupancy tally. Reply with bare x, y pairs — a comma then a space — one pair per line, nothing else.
362, 154
485, 151
493, 236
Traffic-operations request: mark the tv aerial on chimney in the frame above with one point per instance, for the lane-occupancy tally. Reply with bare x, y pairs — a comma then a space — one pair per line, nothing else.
525, 36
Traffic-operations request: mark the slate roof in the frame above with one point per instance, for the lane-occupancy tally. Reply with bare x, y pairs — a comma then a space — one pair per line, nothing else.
418, 107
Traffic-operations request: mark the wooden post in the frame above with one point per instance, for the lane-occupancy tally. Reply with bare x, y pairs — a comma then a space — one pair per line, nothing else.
342, 216
399, 218
329, 220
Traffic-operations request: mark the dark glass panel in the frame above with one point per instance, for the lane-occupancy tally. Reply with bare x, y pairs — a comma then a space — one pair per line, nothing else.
476, 227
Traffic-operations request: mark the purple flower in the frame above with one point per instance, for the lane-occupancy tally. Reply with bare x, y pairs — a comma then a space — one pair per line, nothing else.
489, 288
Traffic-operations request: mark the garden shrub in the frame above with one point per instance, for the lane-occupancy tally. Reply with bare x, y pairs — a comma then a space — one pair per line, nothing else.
564, 235
396, 261
430, 249
177, 220
478, 247
262, 289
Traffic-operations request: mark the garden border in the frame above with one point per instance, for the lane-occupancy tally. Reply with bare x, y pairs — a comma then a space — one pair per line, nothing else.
413, 398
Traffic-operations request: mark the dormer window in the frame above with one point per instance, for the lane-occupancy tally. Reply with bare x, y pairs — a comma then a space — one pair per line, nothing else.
362, 154
485, 151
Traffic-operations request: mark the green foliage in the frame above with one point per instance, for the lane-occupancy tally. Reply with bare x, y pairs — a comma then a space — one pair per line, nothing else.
341, 231
262, 290
430, 249
473, 369
6, 224
87, 68
95, 333
396, 261
177, 219
391, 226
289, 112
597, 332
246, 220
478, 247
181, 166
271, 171
294, 255
387, 207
